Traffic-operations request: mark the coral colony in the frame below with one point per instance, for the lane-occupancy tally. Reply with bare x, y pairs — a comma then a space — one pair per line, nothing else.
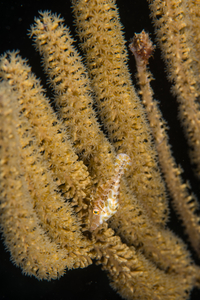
72, 193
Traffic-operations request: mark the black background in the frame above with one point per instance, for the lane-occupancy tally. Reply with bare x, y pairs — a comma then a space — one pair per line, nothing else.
89, 283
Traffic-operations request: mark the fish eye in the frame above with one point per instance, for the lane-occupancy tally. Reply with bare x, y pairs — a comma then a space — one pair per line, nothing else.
95, 212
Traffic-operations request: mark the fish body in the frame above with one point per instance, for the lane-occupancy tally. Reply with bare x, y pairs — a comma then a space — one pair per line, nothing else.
106, 200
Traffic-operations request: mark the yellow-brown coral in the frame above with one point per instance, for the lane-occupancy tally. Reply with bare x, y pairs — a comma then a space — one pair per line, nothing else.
52, 172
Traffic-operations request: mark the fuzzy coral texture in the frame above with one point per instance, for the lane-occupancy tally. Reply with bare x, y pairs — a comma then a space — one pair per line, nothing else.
55, 156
